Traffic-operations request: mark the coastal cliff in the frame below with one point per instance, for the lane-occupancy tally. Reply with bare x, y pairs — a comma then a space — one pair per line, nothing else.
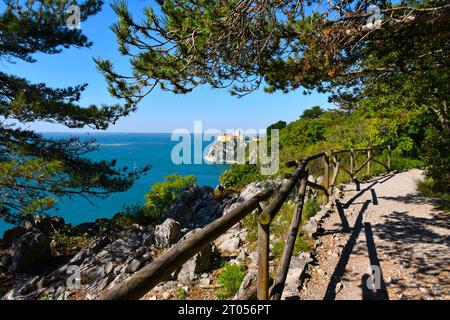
227, 148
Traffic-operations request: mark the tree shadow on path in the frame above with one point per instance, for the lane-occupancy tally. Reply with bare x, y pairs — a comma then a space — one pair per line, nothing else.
420, 244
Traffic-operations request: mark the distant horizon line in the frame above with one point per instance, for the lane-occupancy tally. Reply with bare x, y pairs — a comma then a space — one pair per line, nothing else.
100, 132
90, 132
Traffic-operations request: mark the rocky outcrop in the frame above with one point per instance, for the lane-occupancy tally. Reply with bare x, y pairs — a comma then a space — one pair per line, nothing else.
248, 192
106, 262
114, 255
197, 265
247, 290
167, 233
12, 235
102, 263
296, 276
194, 208
313, 226
230, 241
47, 225
44, 225
5, 262
30, 252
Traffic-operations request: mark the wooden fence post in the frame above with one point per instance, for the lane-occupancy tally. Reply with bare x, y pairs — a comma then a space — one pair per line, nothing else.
263, 260
337, 164
326, 175
369, 155
352, 163
389, 157
277, 289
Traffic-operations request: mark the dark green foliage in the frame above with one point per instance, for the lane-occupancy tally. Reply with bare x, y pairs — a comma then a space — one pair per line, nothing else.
428, 188
284, 45
276, 126
39, 26
315, 132
437, 160
311, 207
312, 113
35, 171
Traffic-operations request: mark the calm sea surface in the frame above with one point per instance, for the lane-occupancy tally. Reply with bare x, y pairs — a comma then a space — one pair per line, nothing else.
131, 150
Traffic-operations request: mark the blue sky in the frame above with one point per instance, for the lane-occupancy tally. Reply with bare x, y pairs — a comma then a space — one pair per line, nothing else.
160, 111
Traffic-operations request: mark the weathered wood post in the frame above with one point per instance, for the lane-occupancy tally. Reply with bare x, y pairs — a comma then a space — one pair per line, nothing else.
263, 260
280, 280
335, 174
389, 157
369, 155
352, 163
326, 174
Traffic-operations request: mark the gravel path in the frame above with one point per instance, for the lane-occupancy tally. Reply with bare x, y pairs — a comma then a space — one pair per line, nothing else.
389, 226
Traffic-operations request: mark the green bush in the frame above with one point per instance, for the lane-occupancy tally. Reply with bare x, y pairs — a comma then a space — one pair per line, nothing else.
280, 227
428, 188
301, 245
239, 175
437, 159
402, 163
163, 193
251, 224
230, 278
276, 126
311, 207
181, 294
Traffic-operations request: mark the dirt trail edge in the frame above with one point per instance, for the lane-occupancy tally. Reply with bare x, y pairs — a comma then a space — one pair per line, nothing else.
388, 230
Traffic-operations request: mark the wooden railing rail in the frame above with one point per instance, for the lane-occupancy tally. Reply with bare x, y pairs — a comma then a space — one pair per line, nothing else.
162, 267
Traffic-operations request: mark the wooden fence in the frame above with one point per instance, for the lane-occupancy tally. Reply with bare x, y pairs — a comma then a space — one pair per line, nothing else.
162, 267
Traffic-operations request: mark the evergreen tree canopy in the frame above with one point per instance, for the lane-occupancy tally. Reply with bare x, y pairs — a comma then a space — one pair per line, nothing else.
282, 45
35, 169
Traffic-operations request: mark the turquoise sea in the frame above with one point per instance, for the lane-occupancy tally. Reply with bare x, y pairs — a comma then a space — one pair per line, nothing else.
131, 150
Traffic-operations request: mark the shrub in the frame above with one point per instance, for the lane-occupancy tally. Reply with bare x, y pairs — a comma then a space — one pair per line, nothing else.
230, 278
239, 175
428, 188
44, 297
437, 159
311, 207
181, 294
163, 193
130, 214
276, 126
401, 163
127, 218
302, 244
